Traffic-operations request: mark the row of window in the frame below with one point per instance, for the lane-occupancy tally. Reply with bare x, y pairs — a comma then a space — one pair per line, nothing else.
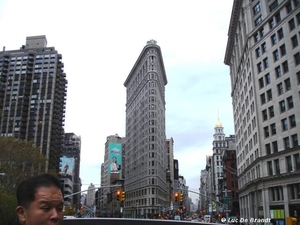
287, 141
268, 96
282, 87
274, 20
285, 124
37, 62
274, 165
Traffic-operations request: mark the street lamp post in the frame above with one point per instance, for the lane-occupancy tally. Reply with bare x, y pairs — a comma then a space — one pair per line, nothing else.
226, 208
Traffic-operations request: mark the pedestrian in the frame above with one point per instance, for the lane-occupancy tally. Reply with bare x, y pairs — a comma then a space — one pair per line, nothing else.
40, 201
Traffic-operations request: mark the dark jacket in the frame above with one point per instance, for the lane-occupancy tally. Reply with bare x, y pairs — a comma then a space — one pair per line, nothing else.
16, 222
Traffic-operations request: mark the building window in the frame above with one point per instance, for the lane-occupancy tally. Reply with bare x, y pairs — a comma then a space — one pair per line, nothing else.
256, 8
294, 189
290, 102
256, 37
264, 47
297, 161
263, 98
257, 51
280, 34
269, 94
265, 115
273, 128
294, 41
275, 146
292, 120
261, 82
271, 24
268, 149
266, 63
292, 24
276, 193
282, 106
286, 142
262, 32
271, 111
289, 7
282, 50
266, 131
258, 21
273, 6
297, 58
295, 141
280, 88
277, 166
276, 55
267, 79
284, 124
259, 67
288, 161
298, 18
278, 19
298, 77
270, 168
285, 67
278, 71
273, 39
287, 84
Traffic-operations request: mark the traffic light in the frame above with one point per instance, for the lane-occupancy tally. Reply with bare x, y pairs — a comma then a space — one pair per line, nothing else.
123, 196
291, 220
176, 196
118, 195
181, 198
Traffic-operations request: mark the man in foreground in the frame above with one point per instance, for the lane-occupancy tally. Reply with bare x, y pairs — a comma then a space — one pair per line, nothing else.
40, 201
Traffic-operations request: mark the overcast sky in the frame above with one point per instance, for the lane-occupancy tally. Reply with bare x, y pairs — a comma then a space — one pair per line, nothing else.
100, 40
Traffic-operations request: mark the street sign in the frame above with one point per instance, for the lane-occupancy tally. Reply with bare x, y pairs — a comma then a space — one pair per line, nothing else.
226, 210
227, 200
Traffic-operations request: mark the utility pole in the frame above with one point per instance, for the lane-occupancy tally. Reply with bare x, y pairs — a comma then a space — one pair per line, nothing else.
226, 208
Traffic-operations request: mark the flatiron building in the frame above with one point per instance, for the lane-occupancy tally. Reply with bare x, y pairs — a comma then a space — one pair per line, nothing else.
146, 153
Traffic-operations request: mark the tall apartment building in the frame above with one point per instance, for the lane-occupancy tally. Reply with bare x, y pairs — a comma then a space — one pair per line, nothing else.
170, 169
207, 187
145, 157
71, 150
263, 54
112, 173
33, 89
90, 198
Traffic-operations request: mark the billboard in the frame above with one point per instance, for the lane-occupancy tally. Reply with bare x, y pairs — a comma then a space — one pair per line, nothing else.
66, 166
114, 157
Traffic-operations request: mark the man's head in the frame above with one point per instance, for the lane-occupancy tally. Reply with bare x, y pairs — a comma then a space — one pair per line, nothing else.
40, 201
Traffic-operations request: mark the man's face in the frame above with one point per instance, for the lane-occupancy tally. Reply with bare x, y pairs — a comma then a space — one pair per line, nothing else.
46, 209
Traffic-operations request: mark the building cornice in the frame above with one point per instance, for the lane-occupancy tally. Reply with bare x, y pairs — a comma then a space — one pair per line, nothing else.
150, 44
237, 5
